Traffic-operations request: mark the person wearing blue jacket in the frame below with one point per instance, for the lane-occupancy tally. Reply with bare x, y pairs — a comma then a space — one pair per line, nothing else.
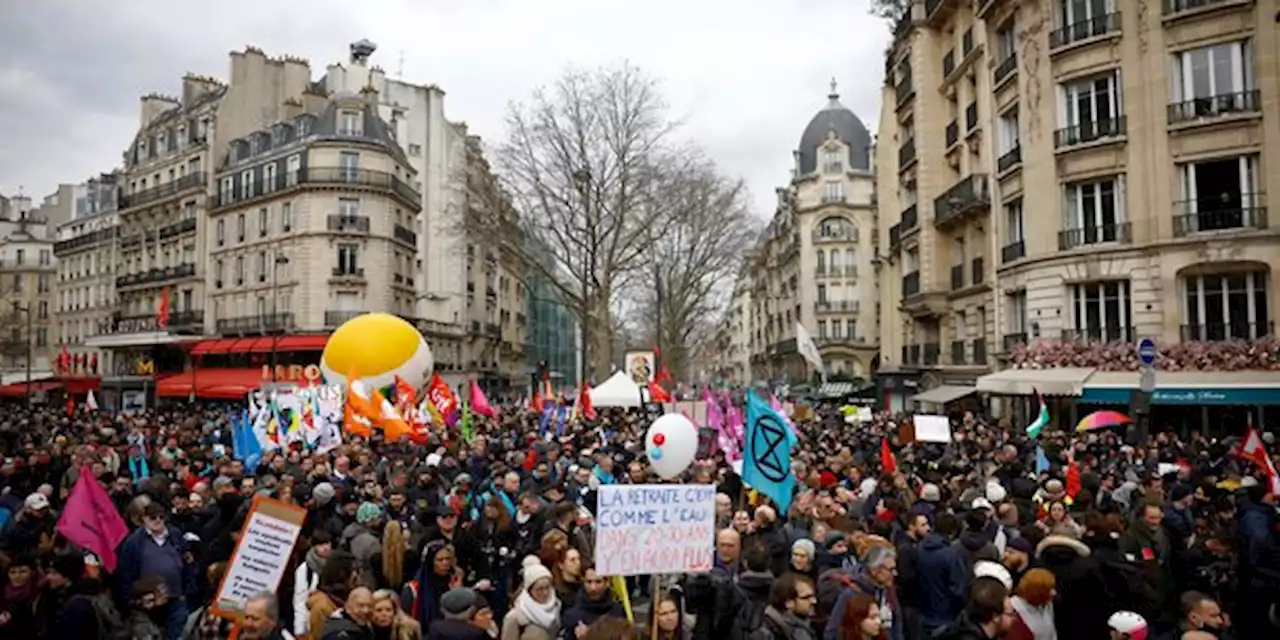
940, 582
157, 549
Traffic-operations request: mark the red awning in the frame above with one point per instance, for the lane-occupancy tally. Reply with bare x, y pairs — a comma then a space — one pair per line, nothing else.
19, 389
212, 384
80, 385
222, 345
283, 344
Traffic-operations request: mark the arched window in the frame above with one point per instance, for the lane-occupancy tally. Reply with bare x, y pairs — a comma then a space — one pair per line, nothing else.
835, 227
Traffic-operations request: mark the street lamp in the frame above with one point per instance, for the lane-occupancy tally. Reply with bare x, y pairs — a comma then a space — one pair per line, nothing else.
17, 308
280, 260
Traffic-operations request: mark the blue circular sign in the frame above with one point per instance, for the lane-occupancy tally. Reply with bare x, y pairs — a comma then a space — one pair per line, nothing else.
1147, 351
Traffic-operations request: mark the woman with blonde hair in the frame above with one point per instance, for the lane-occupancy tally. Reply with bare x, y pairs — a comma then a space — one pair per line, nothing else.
388, 563
390, 621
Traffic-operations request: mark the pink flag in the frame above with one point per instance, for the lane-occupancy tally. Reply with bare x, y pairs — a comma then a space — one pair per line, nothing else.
91, 521
480, 404
781, 411
715, 416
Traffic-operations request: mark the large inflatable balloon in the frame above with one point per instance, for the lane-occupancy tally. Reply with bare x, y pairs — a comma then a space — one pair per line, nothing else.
672, 444
377, 347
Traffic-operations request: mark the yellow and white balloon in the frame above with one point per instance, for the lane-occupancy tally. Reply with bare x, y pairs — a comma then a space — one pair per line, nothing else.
377, 347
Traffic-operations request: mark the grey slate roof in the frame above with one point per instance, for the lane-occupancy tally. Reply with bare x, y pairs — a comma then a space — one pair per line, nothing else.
847, 127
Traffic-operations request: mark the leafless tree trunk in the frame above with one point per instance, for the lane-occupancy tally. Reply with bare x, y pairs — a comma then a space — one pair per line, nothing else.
695, 262
583, 162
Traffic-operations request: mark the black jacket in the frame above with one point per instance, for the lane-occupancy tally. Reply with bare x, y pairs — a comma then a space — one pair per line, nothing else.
586, 611
455, 630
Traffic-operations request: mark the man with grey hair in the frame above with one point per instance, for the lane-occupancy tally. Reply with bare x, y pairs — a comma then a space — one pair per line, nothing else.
877, 578
261, 619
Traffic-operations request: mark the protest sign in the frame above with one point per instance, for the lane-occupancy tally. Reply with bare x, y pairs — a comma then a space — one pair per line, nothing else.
655, 528
932, 428
261, 556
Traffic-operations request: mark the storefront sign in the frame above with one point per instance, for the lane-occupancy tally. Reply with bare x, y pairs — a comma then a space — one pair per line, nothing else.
293, 373
1184, 396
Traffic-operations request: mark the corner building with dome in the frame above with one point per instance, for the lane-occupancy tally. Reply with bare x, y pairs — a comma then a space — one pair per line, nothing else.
813, 265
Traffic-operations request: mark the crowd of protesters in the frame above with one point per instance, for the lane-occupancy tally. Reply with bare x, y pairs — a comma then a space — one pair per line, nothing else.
492, 538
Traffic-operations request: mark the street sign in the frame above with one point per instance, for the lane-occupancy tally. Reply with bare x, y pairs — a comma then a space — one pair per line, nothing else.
1147, 351
1147, 380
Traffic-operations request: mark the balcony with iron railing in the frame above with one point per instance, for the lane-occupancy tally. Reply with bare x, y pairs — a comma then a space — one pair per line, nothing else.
907, 154
405, 234
1090, 132
1010, 159
348, 223
179, 322
334, 319
1084, 30
1239, 212
824, 236
911, 284
1100, 334
1120, 232
836, 306
1005, 69
348, 273
1015, 250
980, 351
1014, 340
971, 194
189, 182
953, 133
156, 275
910, 218
381, 181
1177, 8
1197, 110
90, 239
259, 324
1226, 331
957, 352
178, 228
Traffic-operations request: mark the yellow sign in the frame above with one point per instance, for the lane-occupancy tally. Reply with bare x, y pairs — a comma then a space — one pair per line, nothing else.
144, 367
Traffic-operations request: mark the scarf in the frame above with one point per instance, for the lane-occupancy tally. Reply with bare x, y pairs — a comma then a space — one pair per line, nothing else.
15, 595
314, 561
1039, 620
604, 478
139, 468
537, 613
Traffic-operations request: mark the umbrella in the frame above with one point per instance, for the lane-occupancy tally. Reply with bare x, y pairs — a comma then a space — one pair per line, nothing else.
1102, 420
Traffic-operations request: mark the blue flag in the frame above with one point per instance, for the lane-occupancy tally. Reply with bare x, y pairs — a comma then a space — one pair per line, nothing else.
1042, 462
766, 454
548, 414
244, 443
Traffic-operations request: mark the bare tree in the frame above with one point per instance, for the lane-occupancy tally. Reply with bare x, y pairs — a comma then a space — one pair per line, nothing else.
694, 263
584, 163
890, 9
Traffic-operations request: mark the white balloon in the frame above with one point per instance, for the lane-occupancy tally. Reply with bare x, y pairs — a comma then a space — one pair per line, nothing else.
679, 445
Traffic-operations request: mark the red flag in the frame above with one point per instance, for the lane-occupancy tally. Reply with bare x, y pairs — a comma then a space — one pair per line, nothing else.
664, 376
658, 394
584, 402
91, 521
1253, 450
71, 406
93, 363
64, 361
162, 313
888, 464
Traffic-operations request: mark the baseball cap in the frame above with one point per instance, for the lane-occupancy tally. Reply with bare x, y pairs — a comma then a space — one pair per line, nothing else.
981, 503
1128, 623
36, 501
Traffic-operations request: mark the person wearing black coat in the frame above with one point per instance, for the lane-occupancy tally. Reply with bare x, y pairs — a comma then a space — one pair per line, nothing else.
592, 603
1083, 601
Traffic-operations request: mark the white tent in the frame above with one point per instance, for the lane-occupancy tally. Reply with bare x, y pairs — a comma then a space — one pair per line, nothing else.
618, 391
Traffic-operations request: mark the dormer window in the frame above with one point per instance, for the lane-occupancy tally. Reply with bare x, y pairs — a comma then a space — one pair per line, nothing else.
349, 123
831, 161
254, 146
279, 134
304, 127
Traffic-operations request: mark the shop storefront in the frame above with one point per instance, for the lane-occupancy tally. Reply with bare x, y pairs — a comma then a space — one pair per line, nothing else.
895, 387
1219, 402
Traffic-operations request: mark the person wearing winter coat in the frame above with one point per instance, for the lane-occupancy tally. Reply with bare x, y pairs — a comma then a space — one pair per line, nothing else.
876, 579
941, 578
987, 616
536, 612
352, 621
1033, 608
1083, 600
458, 608
306, 578
594, 601
791, 604
1147, 545
361, 537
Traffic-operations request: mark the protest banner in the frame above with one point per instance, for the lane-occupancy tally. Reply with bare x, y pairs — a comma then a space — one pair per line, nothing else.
655, 528
261, 555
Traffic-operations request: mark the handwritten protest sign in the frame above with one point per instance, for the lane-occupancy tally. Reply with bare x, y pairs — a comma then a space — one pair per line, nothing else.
655, 528
261, 556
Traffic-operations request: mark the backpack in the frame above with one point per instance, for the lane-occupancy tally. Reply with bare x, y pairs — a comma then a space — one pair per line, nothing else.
831, 584
750, 622
110, 625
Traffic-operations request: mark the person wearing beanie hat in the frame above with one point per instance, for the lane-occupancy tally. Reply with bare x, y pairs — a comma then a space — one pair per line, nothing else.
458, 603
535, 615
323, 494
458, 606
362, 538
930, 492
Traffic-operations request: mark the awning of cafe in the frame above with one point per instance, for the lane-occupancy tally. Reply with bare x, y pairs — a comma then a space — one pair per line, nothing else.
1187, 387
1061, 381
944, 394
210, 384
19, 389
45, 381
260, 344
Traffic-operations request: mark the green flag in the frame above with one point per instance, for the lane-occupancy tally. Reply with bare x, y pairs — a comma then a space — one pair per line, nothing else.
1042, 419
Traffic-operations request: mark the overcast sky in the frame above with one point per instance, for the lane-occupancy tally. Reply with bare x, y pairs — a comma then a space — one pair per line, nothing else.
745, 75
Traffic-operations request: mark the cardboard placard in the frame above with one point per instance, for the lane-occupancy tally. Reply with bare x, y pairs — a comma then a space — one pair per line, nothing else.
261, 556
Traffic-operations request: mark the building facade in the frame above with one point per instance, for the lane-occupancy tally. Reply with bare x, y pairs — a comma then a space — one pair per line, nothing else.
27, 271
85, 248
1081, 172
814, 264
